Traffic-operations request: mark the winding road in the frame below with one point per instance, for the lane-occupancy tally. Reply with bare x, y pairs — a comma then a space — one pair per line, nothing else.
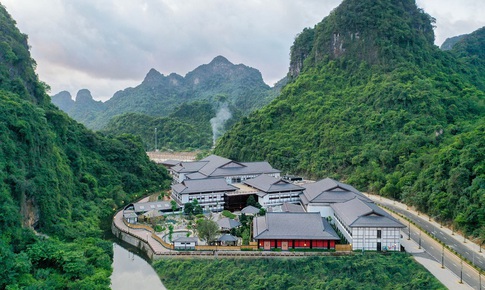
427, 235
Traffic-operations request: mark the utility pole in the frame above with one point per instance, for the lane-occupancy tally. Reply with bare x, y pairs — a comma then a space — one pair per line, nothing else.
156, 140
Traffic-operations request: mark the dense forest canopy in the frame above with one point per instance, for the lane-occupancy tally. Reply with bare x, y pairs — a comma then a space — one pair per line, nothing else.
374, 102
59, 178
370, 271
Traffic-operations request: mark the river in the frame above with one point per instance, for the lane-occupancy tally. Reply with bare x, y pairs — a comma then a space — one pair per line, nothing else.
131, 271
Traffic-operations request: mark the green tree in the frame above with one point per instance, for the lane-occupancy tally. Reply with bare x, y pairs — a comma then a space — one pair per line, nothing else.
207, 230
174, 205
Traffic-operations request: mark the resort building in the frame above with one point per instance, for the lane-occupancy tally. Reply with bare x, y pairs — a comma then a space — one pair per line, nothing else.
366, 226
320, 195
292, 230
274, 191
209, 193
140, 208
215, 166
185, 243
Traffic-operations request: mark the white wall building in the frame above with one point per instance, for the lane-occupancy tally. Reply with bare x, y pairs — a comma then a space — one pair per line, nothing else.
274, 191
319, 196
366, 226
208, 192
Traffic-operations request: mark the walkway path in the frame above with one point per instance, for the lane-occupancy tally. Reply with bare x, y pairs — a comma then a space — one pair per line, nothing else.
139, 233
432, 254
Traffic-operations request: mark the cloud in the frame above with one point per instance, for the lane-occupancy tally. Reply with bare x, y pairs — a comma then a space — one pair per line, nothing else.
109, 45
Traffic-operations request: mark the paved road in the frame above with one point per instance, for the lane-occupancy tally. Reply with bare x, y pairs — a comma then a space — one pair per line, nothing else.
441, 254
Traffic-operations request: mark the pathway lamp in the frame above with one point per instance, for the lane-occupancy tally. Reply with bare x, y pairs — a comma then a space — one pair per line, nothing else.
461, 271
480, 279
419, 239
443, 257
409, 228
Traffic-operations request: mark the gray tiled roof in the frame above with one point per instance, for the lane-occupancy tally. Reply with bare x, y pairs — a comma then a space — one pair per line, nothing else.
298, 226
214, 162
227, 238
187, 167
359, 213
129, 214
216, 166
170, 162
196, 175
286, 207
203, 185
227, 223
250, 210
186, 240
329, 191
269, 184
147, 206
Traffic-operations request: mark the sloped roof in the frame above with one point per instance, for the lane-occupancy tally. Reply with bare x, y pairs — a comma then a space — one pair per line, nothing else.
250, 210
292, 225
129, 214
147, 206
187, 167
214, 162
286, 207
329, 191
269, 184
196, 175
227, 223
203, 185
170, 162
359, 213
186, 240
216, 166
227, 238
152, 213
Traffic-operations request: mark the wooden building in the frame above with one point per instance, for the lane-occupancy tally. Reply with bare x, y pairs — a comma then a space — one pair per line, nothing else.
293, 230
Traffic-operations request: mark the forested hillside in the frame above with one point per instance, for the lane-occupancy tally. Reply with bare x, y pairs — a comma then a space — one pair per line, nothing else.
372, 101
370, 271
159, 95
59, 178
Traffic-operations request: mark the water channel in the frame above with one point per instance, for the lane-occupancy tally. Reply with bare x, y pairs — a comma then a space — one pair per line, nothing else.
131, 271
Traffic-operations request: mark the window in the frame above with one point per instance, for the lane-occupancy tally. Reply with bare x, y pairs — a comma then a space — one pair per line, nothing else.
379, 234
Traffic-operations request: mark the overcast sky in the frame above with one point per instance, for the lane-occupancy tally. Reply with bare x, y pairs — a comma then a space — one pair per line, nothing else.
109, 45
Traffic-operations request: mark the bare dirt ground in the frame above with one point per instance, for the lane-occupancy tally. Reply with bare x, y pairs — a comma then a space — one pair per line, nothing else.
161, 156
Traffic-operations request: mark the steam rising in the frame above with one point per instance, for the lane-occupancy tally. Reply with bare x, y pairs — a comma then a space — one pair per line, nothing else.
218, 122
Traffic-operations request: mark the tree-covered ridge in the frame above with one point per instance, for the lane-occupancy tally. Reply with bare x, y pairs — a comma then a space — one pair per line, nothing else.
186, 128
59, 177
159, 95
470, 50
396, 271
378, 111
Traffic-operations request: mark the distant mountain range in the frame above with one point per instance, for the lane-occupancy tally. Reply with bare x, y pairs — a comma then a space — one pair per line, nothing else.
240, 86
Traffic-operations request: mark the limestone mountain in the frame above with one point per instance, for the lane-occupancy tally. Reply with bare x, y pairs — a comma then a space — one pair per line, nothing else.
83, 108
470, 49
158, 95
451, 41
373, 101
58, 178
